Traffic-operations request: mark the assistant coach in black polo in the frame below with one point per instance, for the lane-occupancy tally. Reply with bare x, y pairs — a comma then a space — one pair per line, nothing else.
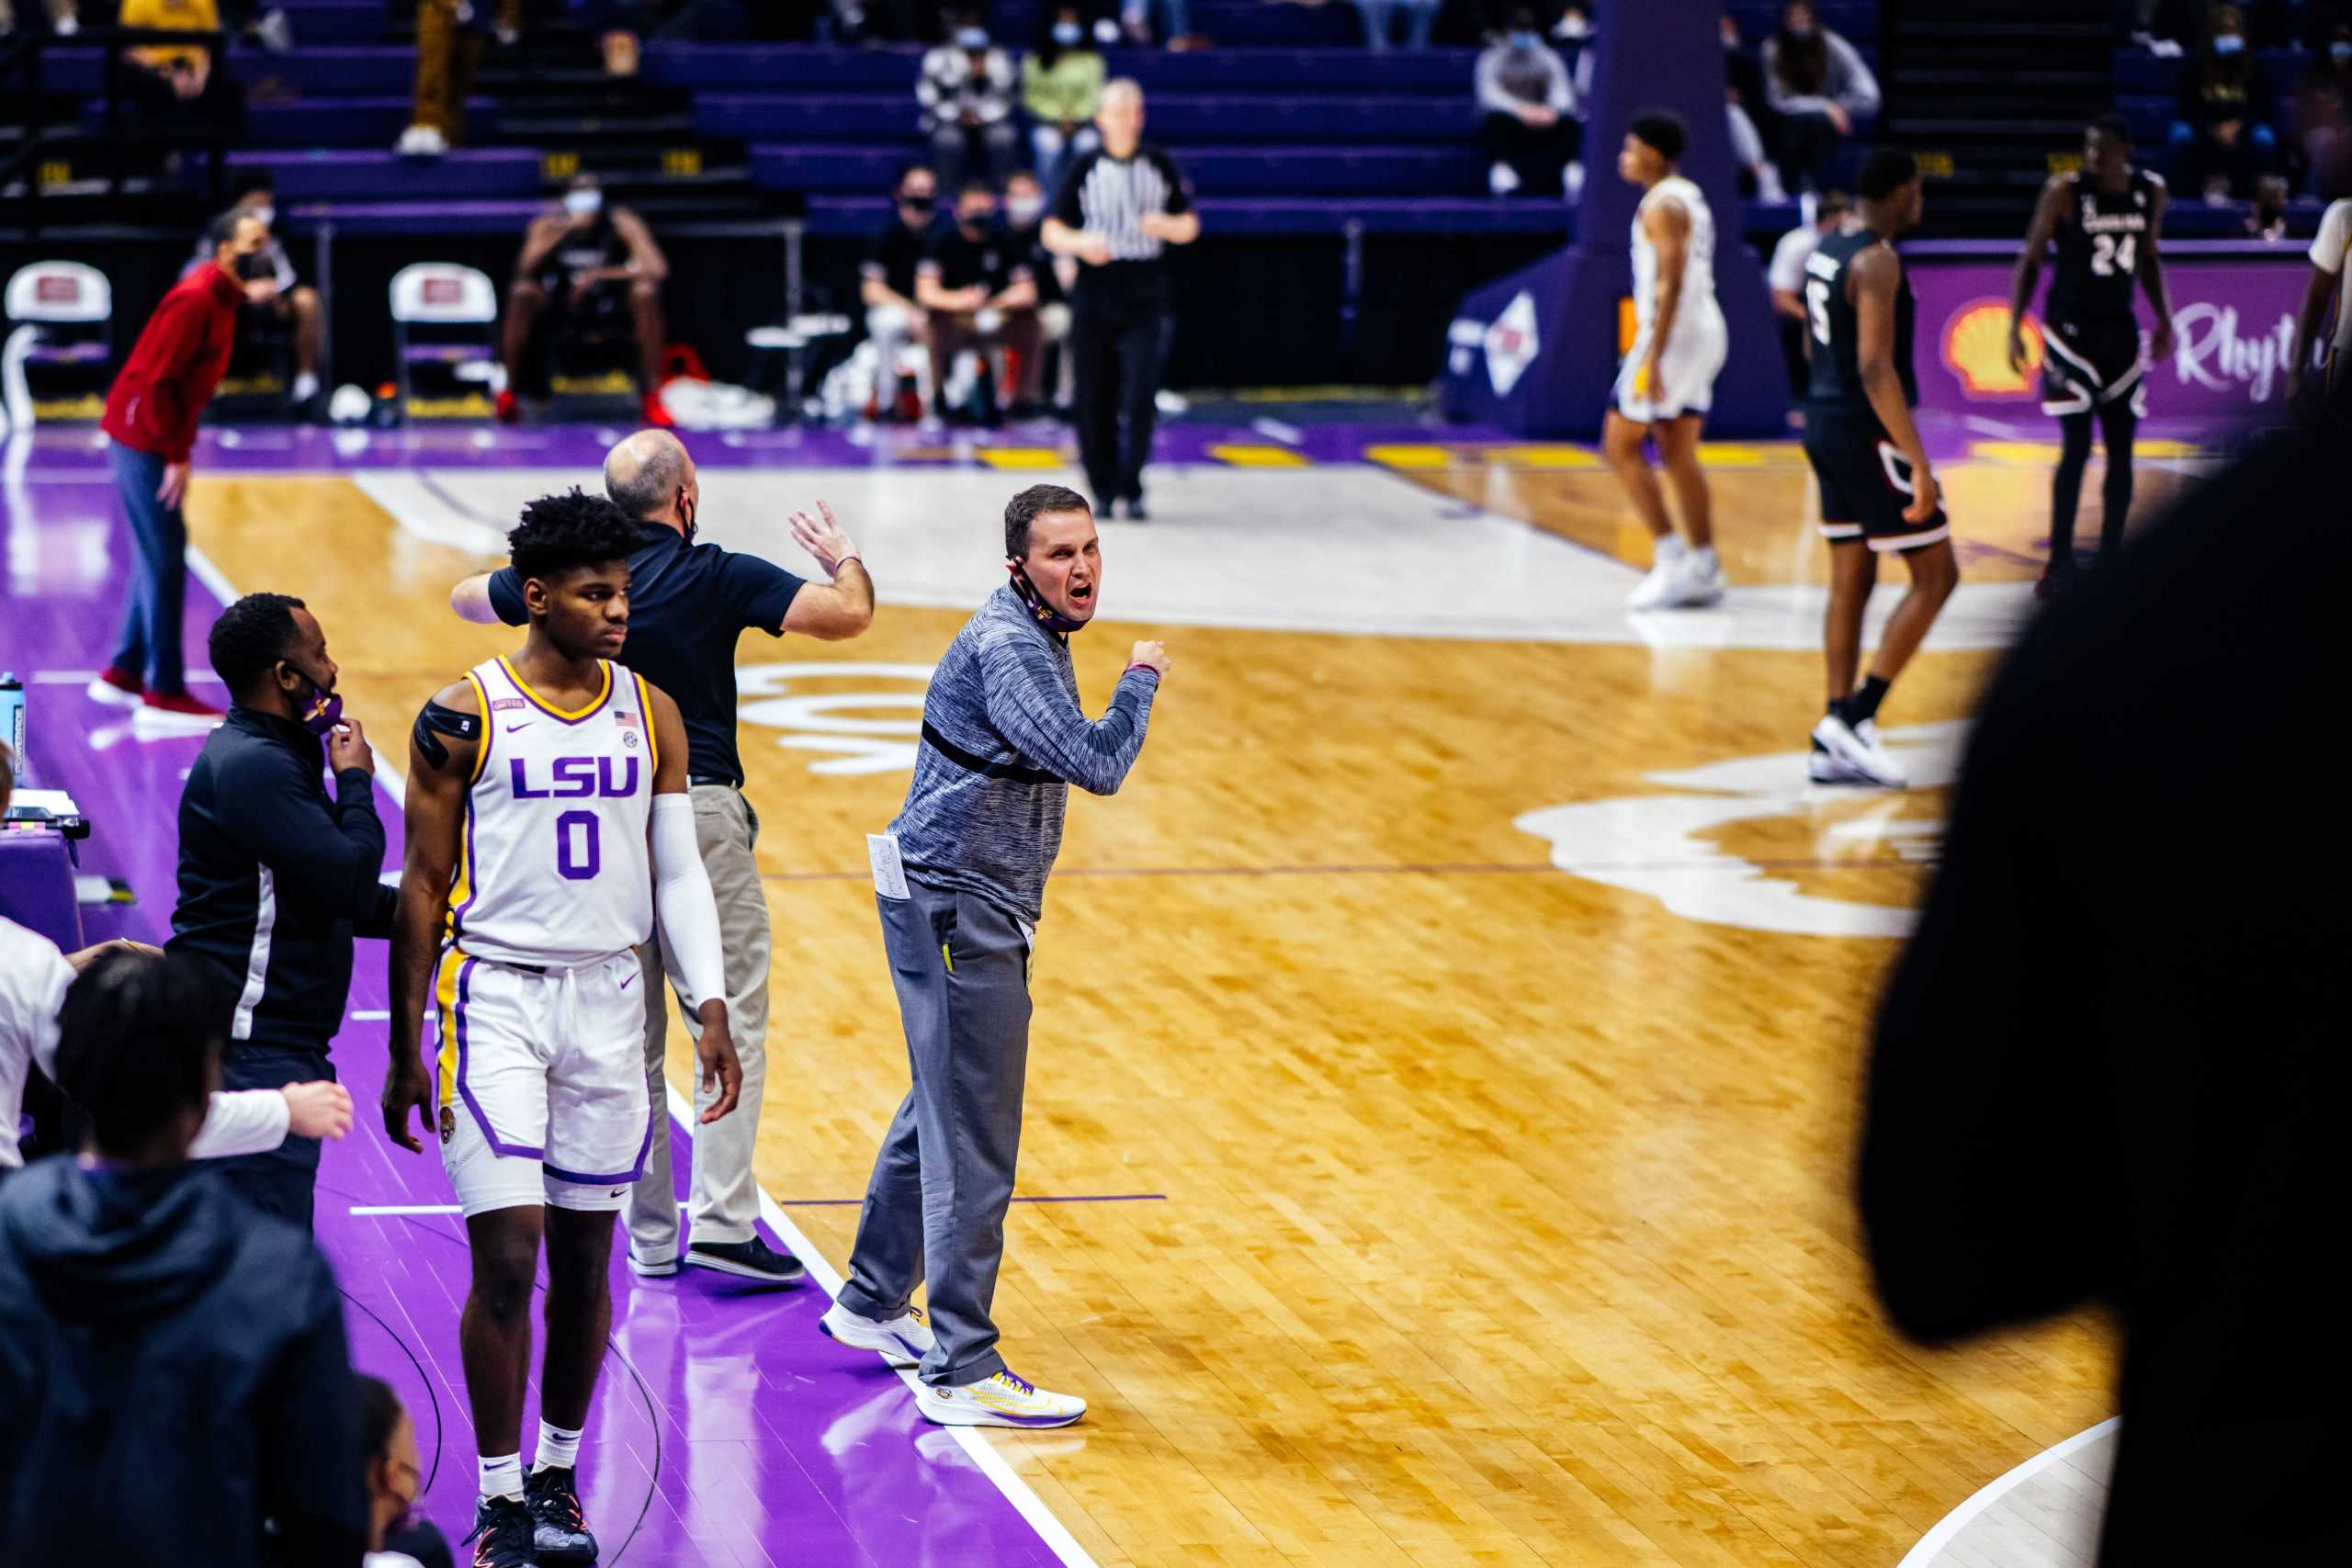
687, 605
1118, 211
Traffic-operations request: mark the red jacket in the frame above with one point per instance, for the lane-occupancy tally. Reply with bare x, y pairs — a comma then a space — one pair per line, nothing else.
175, 364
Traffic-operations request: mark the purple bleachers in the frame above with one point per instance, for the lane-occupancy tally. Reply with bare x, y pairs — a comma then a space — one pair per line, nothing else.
776, 68
1175, 118
472, 172
1295, 171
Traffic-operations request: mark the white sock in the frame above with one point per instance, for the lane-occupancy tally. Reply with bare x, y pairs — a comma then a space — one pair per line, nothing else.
1703, 557
306, 387
1668, 550
559, 1449
503, 1477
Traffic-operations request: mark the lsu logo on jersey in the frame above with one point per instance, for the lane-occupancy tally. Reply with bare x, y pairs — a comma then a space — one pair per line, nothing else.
575, 778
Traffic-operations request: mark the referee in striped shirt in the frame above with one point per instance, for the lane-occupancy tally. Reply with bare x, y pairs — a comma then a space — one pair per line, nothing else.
1119, 209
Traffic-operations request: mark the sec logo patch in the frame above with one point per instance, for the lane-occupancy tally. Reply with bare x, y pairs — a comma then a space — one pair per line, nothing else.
448, 1124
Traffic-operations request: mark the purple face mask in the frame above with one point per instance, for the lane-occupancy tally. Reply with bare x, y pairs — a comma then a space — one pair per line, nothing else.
324, 713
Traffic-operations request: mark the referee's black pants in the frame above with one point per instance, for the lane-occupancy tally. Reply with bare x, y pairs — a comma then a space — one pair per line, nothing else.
1115, 354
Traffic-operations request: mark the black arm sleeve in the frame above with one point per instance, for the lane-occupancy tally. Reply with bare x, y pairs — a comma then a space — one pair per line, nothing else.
267, 806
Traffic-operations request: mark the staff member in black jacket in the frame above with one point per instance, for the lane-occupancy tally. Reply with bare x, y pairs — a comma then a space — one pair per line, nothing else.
1120, 207
276, 876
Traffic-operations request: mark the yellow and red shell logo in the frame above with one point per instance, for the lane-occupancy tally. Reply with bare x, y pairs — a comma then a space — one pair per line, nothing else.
1976, 349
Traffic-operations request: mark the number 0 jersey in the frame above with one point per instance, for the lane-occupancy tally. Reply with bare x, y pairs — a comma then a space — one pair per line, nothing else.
2100, 247
553, 868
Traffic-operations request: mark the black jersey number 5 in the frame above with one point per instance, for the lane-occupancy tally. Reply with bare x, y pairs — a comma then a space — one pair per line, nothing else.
1816, 301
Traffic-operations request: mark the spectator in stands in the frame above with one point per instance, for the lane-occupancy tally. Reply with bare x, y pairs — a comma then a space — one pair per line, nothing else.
393, 1478
64, 17
1786, 276
1743, 103
982, 294
1061, 87
2324, 111
1174, 22
185, 94
1024, 214
1379, 22
2223, 139
886, 284
1531, 131
449, 50
588, 264
272, 296
152, 410
2266, 220
965, 91
1818, 86
172, 1363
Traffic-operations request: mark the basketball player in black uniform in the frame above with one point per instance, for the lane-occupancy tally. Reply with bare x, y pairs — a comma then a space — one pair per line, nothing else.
2104, 219
1878, 493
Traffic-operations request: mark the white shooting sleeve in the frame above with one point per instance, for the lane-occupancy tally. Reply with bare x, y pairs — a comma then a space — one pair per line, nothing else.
685, 909
241, 1121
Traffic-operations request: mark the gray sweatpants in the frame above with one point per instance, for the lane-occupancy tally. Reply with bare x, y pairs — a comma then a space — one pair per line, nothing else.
726, 1200
935, 1205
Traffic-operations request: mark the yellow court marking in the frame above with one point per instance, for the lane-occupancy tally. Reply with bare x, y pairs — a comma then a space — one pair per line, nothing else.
1409, 457
1545, 455
1019, 457
2014, 451
1745, 454
2145, 448
1250, 456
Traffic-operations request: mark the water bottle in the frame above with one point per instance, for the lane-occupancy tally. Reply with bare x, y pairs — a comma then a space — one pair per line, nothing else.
12, 723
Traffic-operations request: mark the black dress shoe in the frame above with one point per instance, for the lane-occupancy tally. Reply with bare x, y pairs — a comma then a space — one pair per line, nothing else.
752, 1259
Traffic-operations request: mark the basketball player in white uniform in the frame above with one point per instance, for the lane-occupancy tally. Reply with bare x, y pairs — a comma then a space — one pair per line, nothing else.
548, 824
1669, 379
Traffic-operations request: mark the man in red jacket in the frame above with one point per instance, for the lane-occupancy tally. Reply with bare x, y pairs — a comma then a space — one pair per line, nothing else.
150, 419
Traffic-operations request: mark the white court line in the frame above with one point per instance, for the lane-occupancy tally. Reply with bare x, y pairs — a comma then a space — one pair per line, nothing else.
370, 1015
1276, 430
1992, 1491
1051, 1530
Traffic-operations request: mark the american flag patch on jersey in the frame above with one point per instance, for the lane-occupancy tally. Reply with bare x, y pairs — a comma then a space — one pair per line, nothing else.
624, 719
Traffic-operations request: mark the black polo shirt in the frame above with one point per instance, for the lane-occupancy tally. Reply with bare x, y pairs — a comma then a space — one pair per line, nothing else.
687, 603
994, 261
895, 255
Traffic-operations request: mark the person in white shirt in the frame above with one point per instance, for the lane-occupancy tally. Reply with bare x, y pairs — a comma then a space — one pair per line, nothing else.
2327, 254
1786, 276
34, 973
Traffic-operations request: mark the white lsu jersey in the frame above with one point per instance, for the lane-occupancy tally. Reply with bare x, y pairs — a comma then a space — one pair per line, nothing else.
1698, 301
553, 867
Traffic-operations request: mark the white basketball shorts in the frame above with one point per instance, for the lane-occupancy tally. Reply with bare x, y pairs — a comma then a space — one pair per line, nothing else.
540, 1082
1693, 358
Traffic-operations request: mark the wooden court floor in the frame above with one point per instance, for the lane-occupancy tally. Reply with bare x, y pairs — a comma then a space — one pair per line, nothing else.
1505, 1213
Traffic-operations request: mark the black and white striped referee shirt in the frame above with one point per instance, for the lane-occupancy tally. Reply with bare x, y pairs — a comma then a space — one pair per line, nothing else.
1110, 196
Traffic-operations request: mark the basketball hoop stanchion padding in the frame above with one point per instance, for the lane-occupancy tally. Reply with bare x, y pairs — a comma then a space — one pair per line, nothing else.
1536, 351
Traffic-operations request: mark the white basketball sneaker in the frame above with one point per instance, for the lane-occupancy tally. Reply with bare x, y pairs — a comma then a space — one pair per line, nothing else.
1860, 749
1697, 583
1665, 569
903, 1341
1001, 1399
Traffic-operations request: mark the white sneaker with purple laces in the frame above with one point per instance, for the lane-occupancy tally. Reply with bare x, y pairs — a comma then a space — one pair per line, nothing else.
999, 1400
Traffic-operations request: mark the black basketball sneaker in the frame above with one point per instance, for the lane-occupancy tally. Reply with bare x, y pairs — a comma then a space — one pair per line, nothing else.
560, 1529
503, 1534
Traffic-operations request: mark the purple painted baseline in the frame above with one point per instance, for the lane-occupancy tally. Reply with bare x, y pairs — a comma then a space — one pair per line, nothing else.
774, 1446
69, 455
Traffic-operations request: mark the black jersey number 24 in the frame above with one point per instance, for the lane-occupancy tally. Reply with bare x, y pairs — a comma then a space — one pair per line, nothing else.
2110, 255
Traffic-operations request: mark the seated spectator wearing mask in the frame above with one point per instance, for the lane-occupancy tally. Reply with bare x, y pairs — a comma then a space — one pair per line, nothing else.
1819, 87
982, 294
396, 1538
1061, 87
2223, 139
589, 263
1530, 132
172, 1361
34, 977
2324, 110
185, 93
965, 91
1024, 215
887, 284
271, 292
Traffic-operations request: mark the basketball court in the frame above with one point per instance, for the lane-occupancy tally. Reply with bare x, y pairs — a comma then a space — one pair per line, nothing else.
1446, 1053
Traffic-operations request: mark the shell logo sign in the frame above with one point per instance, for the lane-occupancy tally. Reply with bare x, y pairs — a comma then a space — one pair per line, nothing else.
1976, 350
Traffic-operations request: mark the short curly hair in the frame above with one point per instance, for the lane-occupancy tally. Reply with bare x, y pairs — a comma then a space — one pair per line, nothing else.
252, 635
563, 533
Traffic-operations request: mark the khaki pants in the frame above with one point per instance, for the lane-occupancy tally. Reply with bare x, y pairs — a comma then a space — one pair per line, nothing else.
725, 1201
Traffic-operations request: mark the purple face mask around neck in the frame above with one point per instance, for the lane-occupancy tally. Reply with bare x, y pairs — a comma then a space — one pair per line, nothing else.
1053, 620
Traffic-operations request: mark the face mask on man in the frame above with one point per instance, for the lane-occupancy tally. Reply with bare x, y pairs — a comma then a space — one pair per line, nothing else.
1022, 211
2340, 50
1524, 42
1066, 34
2227, 43
584, 203
972, 40
254, 266
265, 214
